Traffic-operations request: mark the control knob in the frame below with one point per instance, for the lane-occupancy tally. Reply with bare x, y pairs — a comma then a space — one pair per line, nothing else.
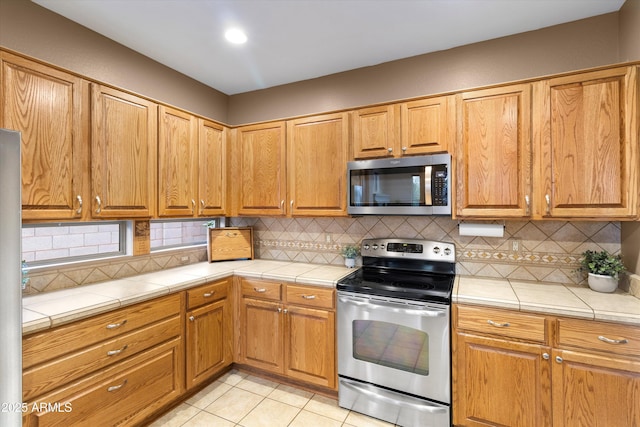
366, 247
375, 246
447, 251
436, 250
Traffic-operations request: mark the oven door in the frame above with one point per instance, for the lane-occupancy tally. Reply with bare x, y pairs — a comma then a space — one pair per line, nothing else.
399, 344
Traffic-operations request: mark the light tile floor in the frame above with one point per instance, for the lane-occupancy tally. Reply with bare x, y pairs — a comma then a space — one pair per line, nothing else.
238, 399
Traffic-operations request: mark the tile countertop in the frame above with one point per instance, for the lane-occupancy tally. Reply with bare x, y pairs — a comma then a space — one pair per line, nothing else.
52, 309
55, 308
550, 298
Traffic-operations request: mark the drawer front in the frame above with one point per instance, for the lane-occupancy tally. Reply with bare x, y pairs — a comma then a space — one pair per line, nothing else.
45, 377
593, 335
505, 323
230, 243
208, 293
124, 395
310, 296
261, 289
47, 345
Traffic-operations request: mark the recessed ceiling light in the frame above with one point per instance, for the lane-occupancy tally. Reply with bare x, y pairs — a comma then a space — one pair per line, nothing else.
236, 36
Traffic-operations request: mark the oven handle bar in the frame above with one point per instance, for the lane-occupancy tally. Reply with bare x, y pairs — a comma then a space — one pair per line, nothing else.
364, 302
380, 394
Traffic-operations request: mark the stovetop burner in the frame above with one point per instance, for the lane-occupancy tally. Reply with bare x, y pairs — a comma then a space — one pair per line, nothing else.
409, 269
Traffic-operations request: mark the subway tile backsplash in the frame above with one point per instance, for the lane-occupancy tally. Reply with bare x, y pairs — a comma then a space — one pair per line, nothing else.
530, 250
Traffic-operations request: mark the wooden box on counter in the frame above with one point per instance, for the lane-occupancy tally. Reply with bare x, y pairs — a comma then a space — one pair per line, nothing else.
230, 243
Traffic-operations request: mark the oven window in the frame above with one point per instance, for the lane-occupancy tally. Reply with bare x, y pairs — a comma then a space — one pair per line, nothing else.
391, 345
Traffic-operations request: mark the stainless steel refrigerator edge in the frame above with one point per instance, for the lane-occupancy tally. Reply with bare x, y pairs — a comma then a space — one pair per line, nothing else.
10, 280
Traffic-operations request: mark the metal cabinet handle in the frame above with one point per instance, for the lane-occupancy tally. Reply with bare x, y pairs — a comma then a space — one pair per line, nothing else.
390, 150
115, 352
116, 387
291, 204
527, 202
279, 309
191, 318
404, 150
193, 205
229, 234
498, 325
285, 311
282, 204
548, 200
99, 202
613, 341
260, 290
79, 210
116, 325
202, 203
545, 356
559, 359
208, 294
308, 296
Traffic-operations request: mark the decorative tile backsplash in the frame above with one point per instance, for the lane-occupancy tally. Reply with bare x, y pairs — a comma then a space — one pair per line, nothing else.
541, 250
530, 250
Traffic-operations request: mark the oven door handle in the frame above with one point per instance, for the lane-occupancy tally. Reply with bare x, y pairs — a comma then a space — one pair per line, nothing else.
377, 304
380, 394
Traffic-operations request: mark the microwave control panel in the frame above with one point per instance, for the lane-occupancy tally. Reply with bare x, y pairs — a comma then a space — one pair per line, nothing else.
440, 186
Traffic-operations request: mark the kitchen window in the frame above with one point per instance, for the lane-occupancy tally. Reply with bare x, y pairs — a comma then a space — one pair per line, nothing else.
45, 244
168, 234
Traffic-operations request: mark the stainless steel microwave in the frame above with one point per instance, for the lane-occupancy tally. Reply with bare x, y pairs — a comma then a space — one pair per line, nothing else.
406, 186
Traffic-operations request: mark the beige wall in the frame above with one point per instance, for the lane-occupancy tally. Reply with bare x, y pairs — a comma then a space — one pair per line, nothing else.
629, 22
582, 44
35, 31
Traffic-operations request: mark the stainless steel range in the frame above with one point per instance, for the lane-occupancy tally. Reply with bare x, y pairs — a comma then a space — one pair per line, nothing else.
394, 358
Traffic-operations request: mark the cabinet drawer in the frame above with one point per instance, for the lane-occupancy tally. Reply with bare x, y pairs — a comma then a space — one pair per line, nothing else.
53, 343
505, 323
123, 395
44, 377
207, 293
593, 335
261, 289
230, 243
310, 296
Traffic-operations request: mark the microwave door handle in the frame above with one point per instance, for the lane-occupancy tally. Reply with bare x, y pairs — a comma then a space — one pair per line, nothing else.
427, 186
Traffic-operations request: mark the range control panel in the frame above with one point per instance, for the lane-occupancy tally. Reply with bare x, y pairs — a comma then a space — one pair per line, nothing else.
428, 250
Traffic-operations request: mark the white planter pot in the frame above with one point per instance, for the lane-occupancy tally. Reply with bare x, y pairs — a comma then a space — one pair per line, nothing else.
602, 283
350, 262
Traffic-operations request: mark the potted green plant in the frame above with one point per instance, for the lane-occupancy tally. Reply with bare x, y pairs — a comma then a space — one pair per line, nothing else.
603, 270
350, 252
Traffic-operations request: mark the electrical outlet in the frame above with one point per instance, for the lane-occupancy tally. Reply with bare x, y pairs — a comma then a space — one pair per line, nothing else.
184, 259
327, 237
515, 245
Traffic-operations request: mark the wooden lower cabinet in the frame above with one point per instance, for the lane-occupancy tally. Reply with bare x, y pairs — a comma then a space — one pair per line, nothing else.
577, 373
288, 330
501, 383
124, 394
208, 331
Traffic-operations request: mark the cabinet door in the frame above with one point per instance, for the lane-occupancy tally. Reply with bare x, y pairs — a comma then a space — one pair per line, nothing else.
317, 154
209, 341
494, 153
590, 390
48, 107
261, 332
376, 132
212, 155
428, 125
177, 163
123, 154
588, 140
310, 345
261, 169
497, 382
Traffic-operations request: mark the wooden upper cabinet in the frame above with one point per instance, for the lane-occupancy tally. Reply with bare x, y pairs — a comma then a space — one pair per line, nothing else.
494, 152
49, 108
428, 125
177, 163
586, 131
317, 155
123, 154
260, 151
212, 175
376, 131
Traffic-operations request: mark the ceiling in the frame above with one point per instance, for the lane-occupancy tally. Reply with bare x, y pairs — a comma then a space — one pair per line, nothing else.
294, 40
